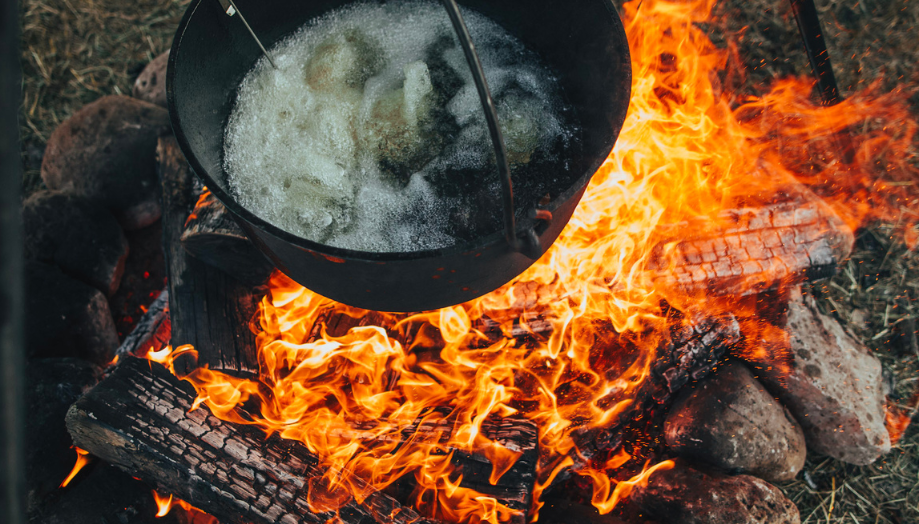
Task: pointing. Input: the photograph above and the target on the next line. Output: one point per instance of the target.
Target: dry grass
(875, 293)
(75, 52)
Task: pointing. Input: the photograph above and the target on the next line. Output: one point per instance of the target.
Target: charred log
(515, 487)
(212, 236)
(139, 419)
(690, 354)
(209, 309)
(799, 238)
(152, 330)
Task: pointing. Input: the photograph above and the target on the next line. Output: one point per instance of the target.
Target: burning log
(789, 241)
(139, 419)
(208, 308)
(690, 354)
(152, 330)
(212, 236)
(515, 487)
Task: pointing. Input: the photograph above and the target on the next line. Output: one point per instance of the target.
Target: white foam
(339, 144)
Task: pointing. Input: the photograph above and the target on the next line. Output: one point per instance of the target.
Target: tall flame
(688, 151)
(83, 458)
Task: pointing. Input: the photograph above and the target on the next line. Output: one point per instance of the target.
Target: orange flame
(688, 152)
(83, 458)
(202, 201)
(605, 501)
(165, 504)
(898, 419)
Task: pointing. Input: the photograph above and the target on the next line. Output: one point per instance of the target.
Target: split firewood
(140, 419)
(756, 247)
(212, 236)
(152, 331)
(208, 309)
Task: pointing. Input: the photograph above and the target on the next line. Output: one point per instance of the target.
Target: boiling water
(370, 135)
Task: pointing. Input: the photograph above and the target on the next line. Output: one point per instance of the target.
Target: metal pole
(808, 21)
(812, 34)
(12, 360)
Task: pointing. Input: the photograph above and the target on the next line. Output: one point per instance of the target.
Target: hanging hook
(229, 7)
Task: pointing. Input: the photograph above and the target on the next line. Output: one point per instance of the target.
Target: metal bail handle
(529, 245)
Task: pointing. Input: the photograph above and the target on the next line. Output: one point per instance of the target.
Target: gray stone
(65, 317)
(150, 85)
(834, 388)
(730, 421)
(83, 240)
(106, 152)
(52, 385)
(684, 495)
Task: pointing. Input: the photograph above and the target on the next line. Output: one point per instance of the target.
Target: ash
(370, 134)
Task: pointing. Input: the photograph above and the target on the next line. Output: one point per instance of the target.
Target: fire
(205, 194)
(83, 458)
(165, 504)
(897, 418)
(688, 151)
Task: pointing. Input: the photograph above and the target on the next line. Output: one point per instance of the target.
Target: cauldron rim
(491, 240)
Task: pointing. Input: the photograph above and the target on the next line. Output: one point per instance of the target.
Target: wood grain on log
(152, 331)
(138, 419)
(212, 236)
(754, 248)
(208, 308)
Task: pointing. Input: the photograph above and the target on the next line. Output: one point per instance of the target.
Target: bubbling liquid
(370, 135)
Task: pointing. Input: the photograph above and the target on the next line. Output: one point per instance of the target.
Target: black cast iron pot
(582, 41)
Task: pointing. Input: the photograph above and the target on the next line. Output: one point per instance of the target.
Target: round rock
(66, 318)
(106, 152)
(684, 495)
(834, 386)
(150, 85)
(83, 240)
(730, 421)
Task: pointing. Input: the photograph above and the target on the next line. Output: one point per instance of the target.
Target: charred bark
(138, 419)
(786, 242)
(152, 331)
(690, 354)
(208, 309)
(212, 236)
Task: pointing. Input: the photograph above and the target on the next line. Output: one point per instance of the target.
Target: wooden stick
(152, 331)
(208, 308)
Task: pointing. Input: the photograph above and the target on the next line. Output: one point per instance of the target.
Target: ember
(688, 153)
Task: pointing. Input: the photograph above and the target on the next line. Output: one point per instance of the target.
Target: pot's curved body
(582, 41)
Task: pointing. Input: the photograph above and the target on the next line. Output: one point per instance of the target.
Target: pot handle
(529, 245)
